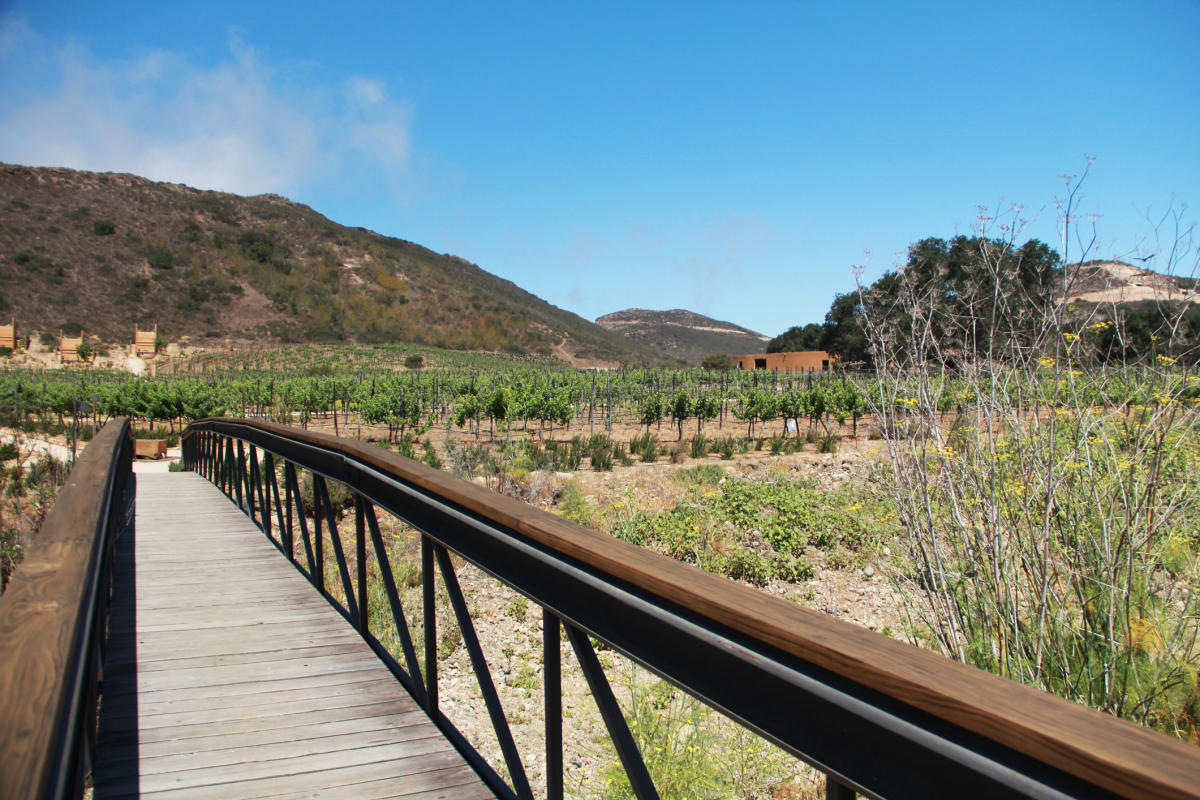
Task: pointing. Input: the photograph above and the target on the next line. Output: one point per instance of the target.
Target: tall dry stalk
(1048, 496)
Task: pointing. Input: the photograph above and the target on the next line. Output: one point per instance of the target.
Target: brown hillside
(682, 334)
(106, 251)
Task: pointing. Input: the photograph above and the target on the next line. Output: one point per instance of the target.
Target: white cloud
(365, 92)
(238, 125)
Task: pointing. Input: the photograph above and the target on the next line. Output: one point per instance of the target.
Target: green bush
(429, 455)
(160, 257)
(646, 446)
(699, 476)
(33, 260)
(414, 362)
(104, 227)
(720, 362)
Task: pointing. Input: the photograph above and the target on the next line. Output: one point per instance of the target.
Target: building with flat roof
(68, 348)
(803, 361)
(144, 342)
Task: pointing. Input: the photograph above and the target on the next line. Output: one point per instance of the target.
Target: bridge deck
(228, 675)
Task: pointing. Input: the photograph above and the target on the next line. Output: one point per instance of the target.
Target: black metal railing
(878, 717)
(53, 622)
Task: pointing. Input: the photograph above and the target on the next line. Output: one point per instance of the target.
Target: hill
(681, 334)
(1107, 282)
(103, 251)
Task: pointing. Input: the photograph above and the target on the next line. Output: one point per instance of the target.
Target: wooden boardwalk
(228, 675)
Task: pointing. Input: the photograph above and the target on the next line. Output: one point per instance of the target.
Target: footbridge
(216, 633)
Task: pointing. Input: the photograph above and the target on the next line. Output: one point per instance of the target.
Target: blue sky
(733, 159)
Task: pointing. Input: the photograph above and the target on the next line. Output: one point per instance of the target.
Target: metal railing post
(429, 609)
(552, 678)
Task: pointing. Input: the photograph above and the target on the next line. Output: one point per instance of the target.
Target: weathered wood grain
(228, 675)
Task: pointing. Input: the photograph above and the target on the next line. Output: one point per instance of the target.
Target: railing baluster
(614, 719)
(285, 533)
(339, 554)
(429, 611)
(318, 537)
(552, 687)
(254, 489)
(294, 495)
(217, 453)
(264, 496)
(483, 675)
(360, 560)
(287, 486)
(398, 618)
(241, 474)
(231, 475)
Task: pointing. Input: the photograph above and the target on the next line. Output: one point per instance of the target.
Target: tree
(842, 333)
(799, 338)
(988, 292)
(718, 362)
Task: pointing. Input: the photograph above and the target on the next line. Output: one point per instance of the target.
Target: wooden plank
(224, 723)
(250, 779)
(355, 690)
(250, 688)
(434, 785)
(262, 657)
(312, 730)
(300, 745)
(230, 676)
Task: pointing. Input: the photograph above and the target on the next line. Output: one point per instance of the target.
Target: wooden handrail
(1102, 751)
(48, 625)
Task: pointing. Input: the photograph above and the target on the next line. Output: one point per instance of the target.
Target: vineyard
(482, 395)
(478, 395)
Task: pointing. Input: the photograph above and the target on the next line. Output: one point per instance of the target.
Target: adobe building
(144, 342)
(803, 361)
(8, 335)
(68, 348)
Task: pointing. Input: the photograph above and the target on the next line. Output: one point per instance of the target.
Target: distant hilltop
(682, 334)
(1103, 282)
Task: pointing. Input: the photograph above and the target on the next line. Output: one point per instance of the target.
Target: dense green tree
(1144, 331)
(720, 362)
(842, 334)
(980, 293)
(798, 338)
